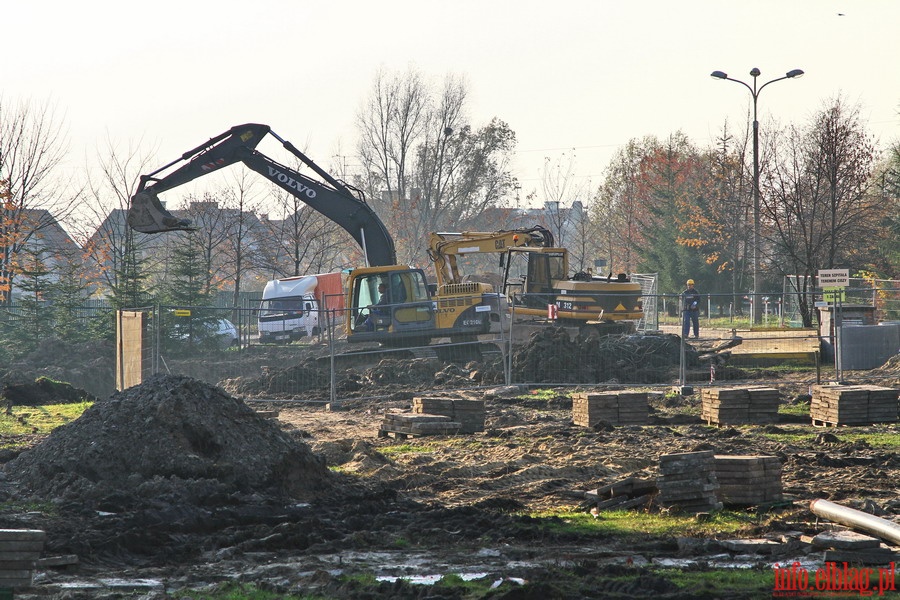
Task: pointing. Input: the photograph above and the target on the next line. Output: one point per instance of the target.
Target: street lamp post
(755, 315)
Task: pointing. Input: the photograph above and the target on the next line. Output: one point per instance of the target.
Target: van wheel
(316, 331)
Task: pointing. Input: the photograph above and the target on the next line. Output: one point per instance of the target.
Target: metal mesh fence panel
(74, 344)
(222, 346)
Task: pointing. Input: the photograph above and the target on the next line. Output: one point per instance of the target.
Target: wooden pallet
(406, 435)
(821, 423)
(398, 435)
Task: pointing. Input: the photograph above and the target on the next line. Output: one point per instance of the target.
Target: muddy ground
(177, 484)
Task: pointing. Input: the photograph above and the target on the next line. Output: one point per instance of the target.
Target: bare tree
(243, 231)
(585, 243)
(424, 168)
(305, 241)
(390, 124)
(818, 207)
(213, 227)
(730, 207)
(32, 146)
(124, 262)
(560, 191)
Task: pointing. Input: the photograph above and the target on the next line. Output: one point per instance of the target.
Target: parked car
(226, 333)
(218, 333)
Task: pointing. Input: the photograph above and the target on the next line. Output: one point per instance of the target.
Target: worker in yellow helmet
(690, 310)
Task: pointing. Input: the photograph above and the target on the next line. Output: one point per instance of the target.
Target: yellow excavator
(389, 304)
(536, 279)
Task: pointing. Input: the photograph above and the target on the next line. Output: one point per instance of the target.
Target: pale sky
(571, 76)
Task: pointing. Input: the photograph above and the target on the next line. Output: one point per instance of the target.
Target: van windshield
(281, 305)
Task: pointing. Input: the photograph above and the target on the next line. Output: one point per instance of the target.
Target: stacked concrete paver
(614, 407)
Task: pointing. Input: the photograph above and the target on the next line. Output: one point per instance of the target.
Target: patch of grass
(879, 439)
(792, 436)
(627, 524)
(539, 394)
(466, 443)
(404, 449)
(237, 591)
(886, 439)
(547, 395)
(791, 366)
(796, 410)
(29, 420)
(365, 579)
(724, 582)
(47, 508)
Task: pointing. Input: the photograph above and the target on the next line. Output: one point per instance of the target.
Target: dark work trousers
(691, 318)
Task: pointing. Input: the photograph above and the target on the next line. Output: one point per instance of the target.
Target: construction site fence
(221, 345)
(530, 353)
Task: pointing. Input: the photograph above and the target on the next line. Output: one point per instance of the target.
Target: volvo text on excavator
(409, 315)
(536, 276)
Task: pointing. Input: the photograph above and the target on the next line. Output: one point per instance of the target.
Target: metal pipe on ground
(886, 530)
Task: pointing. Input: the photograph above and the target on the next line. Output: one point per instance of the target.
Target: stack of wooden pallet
(853, 405)
(468, 413)
(748, 480)
(739, 406)
(412, 425)
(688, 481)
(615, 408)
(19, 550)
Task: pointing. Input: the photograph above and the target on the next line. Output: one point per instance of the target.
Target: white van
(289, 310)
(294, 307)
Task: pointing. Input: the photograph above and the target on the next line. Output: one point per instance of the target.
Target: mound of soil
(41, 392)
(89, 366)
(171, 437)
(550, 356)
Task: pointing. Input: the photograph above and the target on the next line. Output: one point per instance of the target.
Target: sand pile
(174, 439)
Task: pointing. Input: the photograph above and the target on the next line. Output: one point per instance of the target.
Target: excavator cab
(147, 215)
(390, 305)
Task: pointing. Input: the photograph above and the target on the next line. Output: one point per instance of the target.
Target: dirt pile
(549, 356)
(303, 377)
(89, 366)
(312, 379)
(171, 438)
(890, 371)
(42, 391)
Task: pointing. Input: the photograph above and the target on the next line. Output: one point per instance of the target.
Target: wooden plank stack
(468, 413)
(19, 550)
(739, 406)
(687, 480)
(748, 480)
(853, 405)
(614, 407)
(412, 425)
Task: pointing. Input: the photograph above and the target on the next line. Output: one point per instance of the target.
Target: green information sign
(833, 294)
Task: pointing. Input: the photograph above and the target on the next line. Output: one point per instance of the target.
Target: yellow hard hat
(690, 282)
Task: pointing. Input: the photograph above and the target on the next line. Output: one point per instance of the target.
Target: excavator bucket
(147, 215)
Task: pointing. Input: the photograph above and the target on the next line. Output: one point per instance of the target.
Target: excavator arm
(444, 247)
(331, 198)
